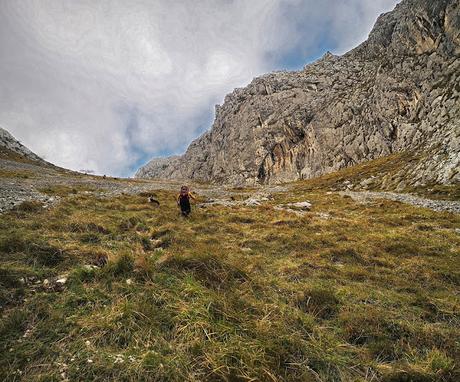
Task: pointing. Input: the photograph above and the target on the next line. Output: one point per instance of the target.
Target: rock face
(397, 91)
(10, 143)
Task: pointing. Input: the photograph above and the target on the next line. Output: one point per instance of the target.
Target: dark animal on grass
(151, 199)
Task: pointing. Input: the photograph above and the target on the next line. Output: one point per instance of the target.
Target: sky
(106, 85)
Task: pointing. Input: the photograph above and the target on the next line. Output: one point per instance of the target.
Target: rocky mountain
(10, 144)
(397, 91)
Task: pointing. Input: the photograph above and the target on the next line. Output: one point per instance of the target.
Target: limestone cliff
(398, 91)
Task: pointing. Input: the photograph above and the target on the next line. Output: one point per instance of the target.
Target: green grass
(231, 294)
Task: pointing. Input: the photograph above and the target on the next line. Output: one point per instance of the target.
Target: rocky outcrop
(398, 91)
(164, 166)
(8, 142)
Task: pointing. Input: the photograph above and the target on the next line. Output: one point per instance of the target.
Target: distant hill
(396, 92)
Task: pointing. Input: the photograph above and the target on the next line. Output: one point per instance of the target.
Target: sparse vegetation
(373, 170)
(16, 174)
(13, 156)
(62, 190)
(232, 293)
(28, 206)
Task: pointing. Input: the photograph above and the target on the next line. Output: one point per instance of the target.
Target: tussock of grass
(121, 266)
(129, 223)
(319, 302)
(87, 227)
(211, 270)
(35, 251)
(28, 206)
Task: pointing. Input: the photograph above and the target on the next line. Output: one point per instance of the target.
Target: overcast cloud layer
(106, 85)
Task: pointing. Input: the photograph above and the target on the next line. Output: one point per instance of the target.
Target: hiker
(183, 200)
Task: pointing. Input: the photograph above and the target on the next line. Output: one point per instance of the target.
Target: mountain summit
(396, 92)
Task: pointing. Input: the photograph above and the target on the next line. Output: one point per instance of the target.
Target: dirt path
(436, 205)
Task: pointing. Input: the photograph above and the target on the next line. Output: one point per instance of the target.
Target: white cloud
(101, 85)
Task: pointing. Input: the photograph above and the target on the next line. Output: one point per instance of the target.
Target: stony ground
(20, 182)
(435, 205)
(29, 182)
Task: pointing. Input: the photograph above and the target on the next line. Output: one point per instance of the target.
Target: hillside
(396, 92)
(27, 178)
(11, 148)
(104, 286)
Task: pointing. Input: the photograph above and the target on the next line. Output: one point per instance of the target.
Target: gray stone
(397, 91)
(306, 206)
(252, 202)
(90, 267)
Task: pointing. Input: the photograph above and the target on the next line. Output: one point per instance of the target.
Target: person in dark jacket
(183, 200)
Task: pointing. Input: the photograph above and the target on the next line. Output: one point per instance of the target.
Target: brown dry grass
(237, 293)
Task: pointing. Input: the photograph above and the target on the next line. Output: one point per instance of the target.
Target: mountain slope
(11, 148)
(398, 91)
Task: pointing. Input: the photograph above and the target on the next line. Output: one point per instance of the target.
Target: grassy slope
(386, 172)
(235, 294)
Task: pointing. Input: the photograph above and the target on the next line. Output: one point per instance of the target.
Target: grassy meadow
(347, 292)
